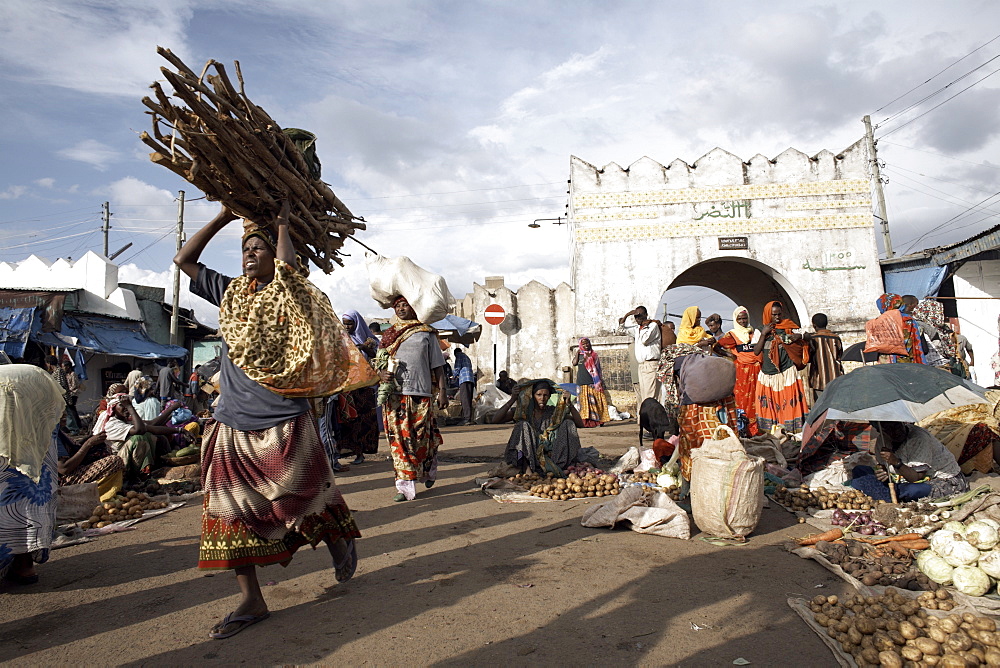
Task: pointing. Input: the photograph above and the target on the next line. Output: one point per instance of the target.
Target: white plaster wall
(978, 317)
(611, 277)
(92, 274)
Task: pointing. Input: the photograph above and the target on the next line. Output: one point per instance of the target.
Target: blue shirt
(463, 368)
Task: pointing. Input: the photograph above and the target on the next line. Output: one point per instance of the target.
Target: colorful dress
(781, 399)
(545, 444)
(269, 486)
(911, 334)
(28, 473)
(670, 354)
(410, 424)
(593, 397)
(741, 344)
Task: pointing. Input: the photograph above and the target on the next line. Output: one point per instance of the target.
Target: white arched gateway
(795, 228)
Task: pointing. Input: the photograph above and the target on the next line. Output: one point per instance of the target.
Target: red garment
(796, 351)
(747, 369)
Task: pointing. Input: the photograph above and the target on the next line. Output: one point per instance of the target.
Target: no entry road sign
(494, 314)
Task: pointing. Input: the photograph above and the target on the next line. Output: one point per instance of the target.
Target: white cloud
(47, 182)
(13, 192)
(92, 152)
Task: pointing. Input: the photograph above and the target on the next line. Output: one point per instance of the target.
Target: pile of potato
(874, 565)
(893, 630)
(575, 487)
(803, 499)
(643, 476)
(526, 479)
(121, 508)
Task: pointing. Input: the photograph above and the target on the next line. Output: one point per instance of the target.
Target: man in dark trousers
(466, 383)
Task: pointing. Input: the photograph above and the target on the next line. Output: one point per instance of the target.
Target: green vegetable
(934, 567)
(188, 451)
(971, 580)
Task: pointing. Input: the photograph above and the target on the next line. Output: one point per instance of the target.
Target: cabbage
(668, 480)
(955, 526)
(981, 535)
(934, 567)
(970, 580)
(993, 523)
(942, 537)
(989, 563)
(960, 553)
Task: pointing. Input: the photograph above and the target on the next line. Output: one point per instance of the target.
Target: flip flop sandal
(429, 483)
(399, 497)
(344, 571)
(243, 621)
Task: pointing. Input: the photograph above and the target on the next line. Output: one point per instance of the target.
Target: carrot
(913, 544)
(829, 536)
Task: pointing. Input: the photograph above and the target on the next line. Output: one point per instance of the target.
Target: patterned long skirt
(745, 393)
(593, 406)
(27, 511)
(358, 419)
(781, 400)
(257, 485)
(698, 422)
(414, 439)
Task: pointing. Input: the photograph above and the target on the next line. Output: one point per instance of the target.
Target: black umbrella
(856, 353)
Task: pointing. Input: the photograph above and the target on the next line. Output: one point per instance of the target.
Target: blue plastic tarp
(922, 282)
(109, 336)
(455, 323)
(15, 328)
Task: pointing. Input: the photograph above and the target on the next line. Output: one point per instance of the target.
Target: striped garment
(825, 349)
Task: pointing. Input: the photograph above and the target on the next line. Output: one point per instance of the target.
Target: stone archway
(748, 283)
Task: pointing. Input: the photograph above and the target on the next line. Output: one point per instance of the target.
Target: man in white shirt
(647, 351)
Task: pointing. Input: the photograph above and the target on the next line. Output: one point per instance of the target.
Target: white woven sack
(727, 486)
(427, 293)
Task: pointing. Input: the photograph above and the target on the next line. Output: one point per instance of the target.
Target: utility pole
(106, 214)
(870, 137)
(175, 314)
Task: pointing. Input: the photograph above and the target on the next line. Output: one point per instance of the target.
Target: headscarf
(399, 331)
(360, 332)
(888, 301)
(740, 333)
(31, 404)
(264, 232)
(931, 311)
(688, 333)
(114, 399)
(592, 363)
(525, 409)
(787, 326)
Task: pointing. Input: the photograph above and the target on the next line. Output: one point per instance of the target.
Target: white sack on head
(31, 404)
(427, 293)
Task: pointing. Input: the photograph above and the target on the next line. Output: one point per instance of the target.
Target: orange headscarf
(785, 324)
(788, 326)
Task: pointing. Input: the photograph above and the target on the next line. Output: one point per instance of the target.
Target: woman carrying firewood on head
(269, 487)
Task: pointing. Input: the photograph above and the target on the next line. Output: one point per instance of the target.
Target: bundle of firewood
(232, 151)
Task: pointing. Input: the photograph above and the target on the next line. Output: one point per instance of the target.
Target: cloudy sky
(449, 125)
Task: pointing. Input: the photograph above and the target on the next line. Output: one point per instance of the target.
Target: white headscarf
(31, 404)
(740, 333)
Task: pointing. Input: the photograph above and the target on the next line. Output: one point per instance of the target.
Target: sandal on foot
(360, 459)
(399, 497)
(344, 571)
(243, 621)
(429, 483)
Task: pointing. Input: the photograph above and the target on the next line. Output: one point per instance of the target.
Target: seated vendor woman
(544, 437)
(90, 461)
(128, 435)
(923, 466)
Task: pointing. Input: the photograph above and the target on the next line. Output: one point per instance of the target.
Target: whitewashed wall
(978, 317)
(637, 230)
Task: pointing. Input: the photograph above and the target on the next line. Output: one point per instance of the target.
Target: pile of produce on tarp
(900, 628)
(235, 153)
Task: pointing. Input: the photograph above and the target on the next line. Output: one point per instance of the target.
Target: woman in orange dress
(740, 341)
(781, 399)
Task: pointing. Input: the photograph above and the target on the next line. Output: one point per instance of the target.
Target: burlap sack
(727, 486)
(76, 502)
(646, 513)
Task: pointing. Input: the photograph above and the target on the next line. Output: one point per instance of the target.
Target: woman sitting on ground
(90, 461)
(544, 437)
(128, 435)
(922, 463)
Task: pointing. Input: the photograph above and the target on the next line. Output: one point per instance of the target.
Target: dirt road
(453, 578)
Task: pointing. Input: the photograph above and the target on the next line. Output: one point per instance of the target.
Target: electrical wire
(979, 48)
(36, 232)
(458, 192)
(915, 118)
(48, 241)
(48, 215)
(942, 155)
(955, 217)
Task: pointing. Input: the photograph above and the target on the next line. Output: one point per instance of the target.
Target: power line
(966, 212)
(48, 215)
(921, 150)
(47, 241)
(900, 127)
(36, 232)
(938, 74)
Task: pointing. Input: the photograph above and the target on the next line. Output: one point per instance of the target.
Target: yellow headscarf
(688, 333)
